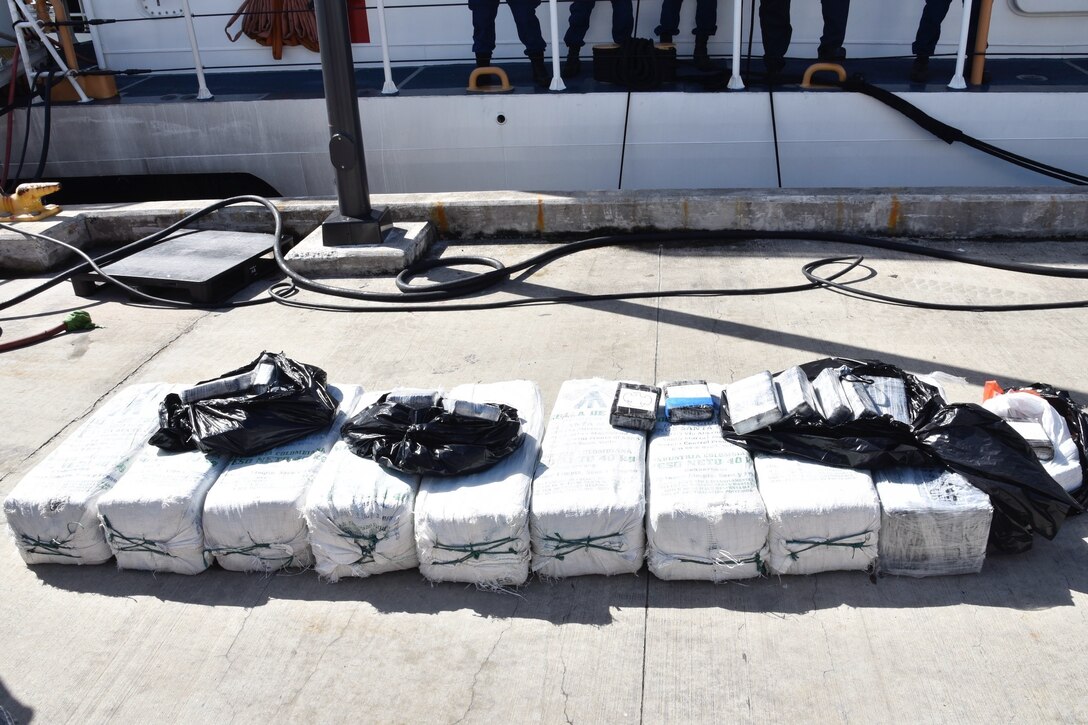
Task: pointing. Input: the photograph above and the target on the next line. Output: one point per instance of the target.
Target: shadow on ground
(14, 711)
(1047, 576)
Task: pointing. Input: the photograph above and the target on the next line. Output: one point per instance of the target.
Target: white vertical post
(735, 83)
(96, 37)
(390, 88)
(202, 93)
(957, 82)
(557, 77)
(18, 23)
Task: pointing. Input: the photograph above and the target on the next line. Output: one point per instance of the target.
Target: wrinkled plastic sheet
(588, 498)
(253, 514)
(475, 528)
(963, 438)
(360, 515)
(705, 517)
(933, 522)
(53, 510)
(271, 401)
(153, 516)
(431, 440)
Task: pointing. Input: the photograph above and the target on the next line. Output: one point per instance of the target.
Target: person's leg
(575, 37)
(925, 40)
(929, 27)
(774, 24)
(670, 20)
(528, 26)
(706, 18)
(623, 20)
(578, 24)
(706, 24)
(483, 27)
(835, 14)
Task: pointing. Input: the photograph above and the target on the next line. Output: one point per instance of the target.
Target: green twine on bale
(475, 551)
(562, 547)
(366, 550)
(133, 543)
(52, 547)
(840, 541)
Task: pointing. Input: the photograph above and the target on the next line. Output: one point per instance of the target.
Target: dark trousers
(706, 17)
(484, 13)
(623, 21)
(929, 27)
(774, 21)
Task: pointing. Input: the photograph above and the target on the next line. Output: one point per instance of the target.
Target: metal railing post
(356, 222)
(553, 16)
(202, 92)
(390, 88)
(957, 82)
(735, 83)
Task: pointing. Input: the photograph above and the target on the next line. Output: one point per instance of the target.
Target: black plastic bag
(430, 439)
(1076, 417)
(966, 439)
(271, 401)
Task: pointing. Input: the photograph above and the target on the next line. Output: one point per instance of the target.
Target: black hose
(414, 298)
(950, 134)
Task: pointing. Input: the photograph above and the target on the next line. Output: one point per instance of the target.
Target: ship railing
(26, 22)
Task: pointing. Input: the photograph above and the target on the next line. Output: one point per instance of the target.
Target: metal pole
(356, 222)
(553, 21)
(958, 83)
(202, 92)
(390, 88)
(735, 83)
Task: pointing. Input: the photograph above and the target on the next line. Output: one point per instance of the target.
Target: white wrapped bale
(153, 516)
(53, 511)
(706, 519)
(588, 500)
(795, 393)
(475, 528)
(933, 522)
(830, 397)
(821, 518)
(753, 403)
(360, 514)
(253, 514)
(890, 397)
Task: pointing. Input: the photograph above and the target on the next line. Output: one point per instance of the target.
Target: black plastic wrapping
(963, 438)
(431, 440)
(294, 403)
(1076, 417)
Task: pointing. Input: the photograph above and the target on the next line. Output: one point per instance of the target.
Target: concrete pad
(401, 245)
(94, 644)
(24, 254)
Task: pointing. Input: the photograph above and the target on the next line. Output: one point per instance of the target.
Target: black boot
(483, 60)
(540, 71)
(702, 56)
(666, 39)
(919, 70)
(572, 66)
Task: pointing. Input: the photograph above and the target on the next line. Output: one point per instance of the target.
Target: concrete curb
(940, 213)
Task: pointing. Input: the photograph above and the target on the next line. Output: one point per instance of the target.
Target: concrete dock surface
(95, 644)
